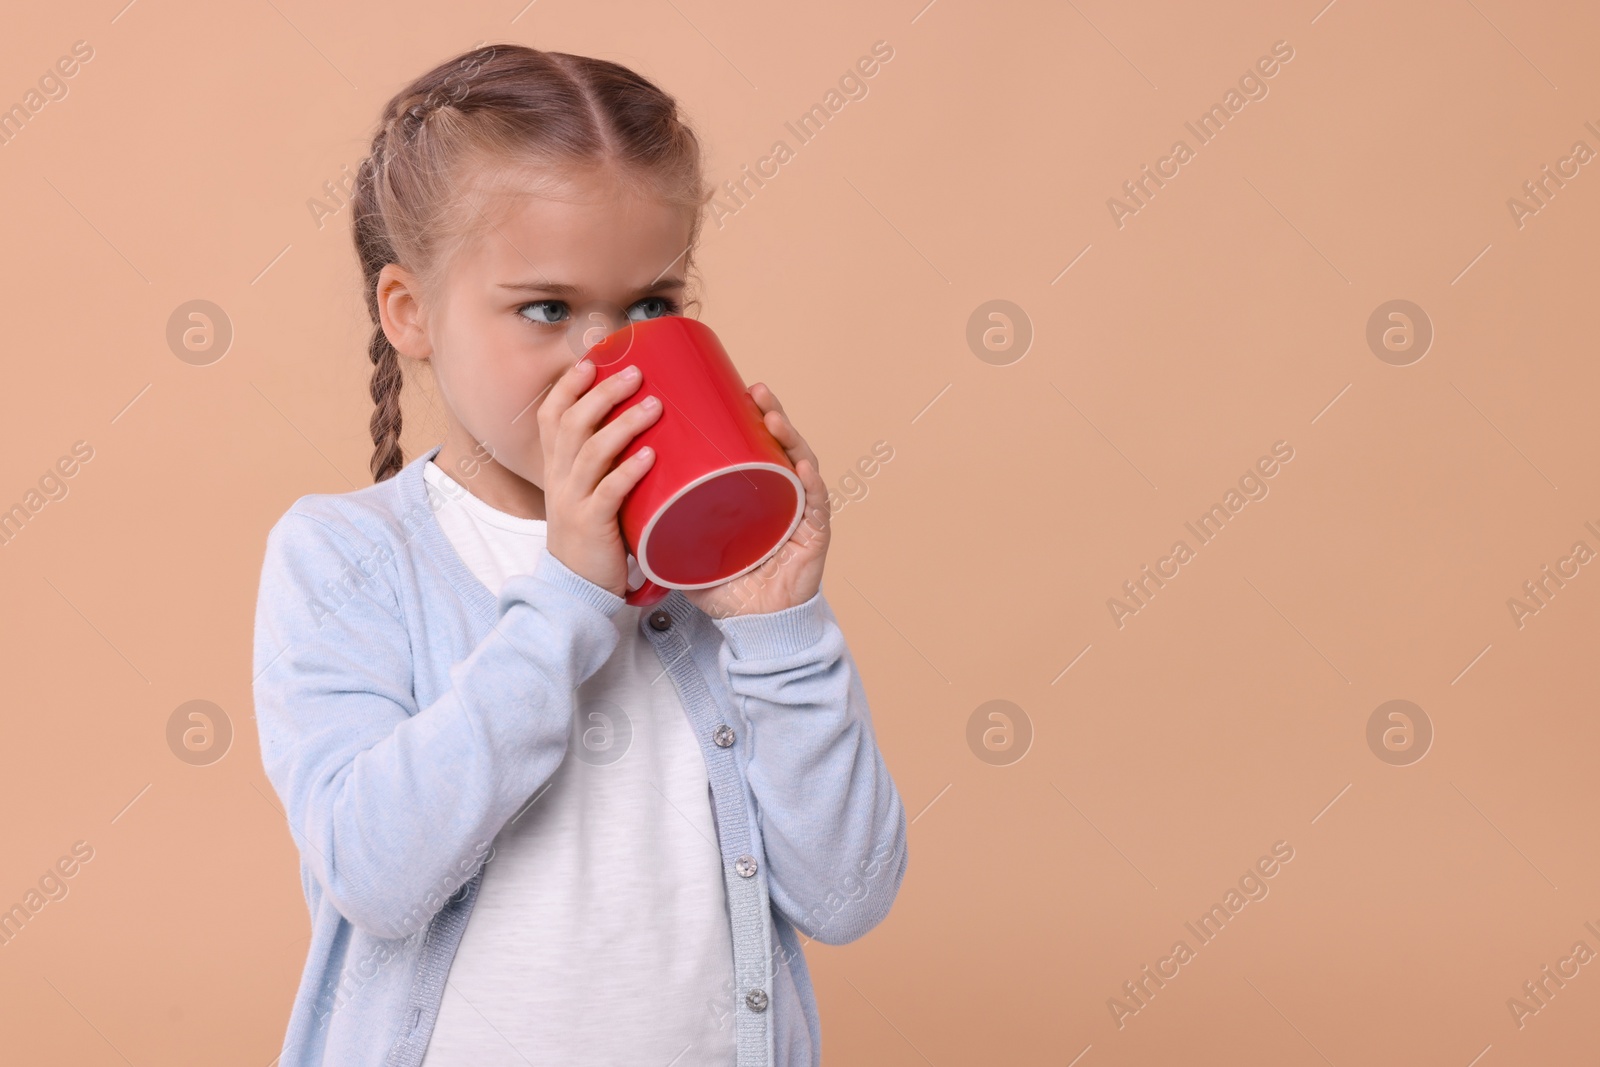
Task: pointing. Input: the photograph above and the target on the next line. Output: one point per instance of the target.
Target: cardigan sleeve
(832, 823)
(395, 807)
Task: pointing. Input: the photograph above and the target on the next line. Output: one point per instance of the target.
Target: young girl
(538, 825)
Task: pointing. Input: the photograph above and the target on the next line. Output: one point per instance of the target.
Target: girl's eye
(652, 307)
(547, 311)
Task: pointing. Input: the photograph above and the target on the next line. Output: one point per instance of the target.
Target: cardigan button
(745, 865)
(757, 999)
(660, 620)
(722, 735)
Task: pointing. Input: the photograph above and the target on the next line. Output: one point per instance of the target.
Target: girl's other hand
(793, 574)
(581, 498)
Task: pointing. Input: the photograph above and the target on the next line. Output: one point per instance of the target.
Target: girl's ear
(401, 314)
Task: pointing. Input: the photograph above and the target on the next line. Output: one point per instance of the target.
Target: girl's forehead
(590, 236)
(587, 207)
(545, 211)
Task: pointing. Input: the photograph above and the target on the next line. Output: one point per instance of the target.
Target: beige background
(1226, 315)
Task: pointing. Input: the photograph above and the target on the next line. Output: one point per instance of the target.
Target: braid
(374, 249)
(387, 381)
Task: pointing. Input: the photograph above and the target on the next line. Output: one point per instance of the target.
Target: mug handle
(646, 594)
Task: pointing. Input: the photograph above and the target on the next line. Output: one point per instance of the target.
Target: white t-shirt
(601, 932)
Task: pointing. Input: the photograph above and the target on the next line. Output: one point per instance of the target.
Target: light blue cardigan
(406, 714)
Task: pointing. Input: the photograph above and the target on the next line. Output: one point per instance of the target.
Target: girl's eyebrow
(562, 289)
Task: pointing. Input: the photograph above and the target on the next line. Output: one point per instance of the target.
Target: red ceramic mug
(721, 496)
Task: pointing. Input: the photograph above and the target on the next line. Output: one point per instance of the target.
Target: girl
(538, 825)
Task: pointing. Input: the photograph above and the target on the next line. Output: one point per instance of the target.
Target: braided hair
(479, 119)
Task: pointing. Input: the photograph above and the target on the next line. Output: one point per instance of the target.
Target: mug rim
(794, 522)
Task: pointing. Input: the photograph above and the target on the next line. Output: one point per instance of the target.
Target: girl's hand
(793, 574)
(580, 499)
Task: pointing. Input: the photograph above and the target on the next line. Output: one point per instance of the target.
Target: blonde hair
(493, 118)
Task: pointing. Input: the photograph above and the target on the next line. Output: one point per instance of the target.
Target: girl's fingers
(787, 436)
(594, 405)
(765, 398)
(594, 458)
(616, 485)
(816, 517)
(800, 452)
(563, 391)
(563, 394)
(769, 403)
(816, 490)
(582, 419)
